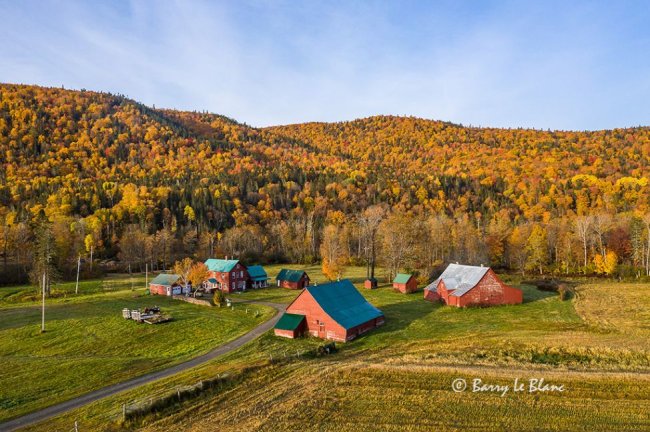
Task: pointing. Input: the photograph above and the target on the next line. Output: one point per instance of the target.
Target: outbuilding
(290, 326)
(166, 284)
(292, 279)
(405, 283)
(258, 276)
(334, 311)
(464, 285)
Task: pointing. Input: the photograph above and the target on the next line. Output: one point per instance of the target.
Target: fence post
(76, 427)
(124, 412)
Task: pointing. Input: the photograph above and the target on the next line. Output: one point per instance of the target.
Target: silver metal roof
(460, 278)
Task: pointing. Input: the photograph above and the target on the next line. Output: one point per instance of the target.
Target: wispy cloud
(498, 64)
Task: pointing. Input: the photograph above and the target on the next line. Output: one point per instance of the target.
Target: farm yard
(592, 344)
(88, 344)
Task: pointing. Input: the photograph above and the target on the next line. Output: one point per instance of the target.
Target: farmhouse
(258, 276)
(334, 311)
(167, 284)
(463, 285)
(405, 283)
(292, 279)
(226, 275)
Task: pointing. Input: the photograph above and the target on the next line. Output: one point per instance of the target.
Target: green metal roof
(220, 265)
(212, 280)
(402, 278)
(289, 321)
(290, 275)
(341, 301)
(165, 279)
(257, 273)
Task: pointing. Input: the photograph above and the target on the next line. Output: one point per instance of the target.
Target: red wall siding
(305, 305)
(363, 328)
(490, 291)
(302, 283)
(431, 296)
(285, 333)
(408, 287)
(157, 289)
(227, 278)
(442, 292)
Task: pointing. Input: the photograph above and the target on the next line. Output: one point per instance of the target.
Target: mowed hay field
(375, 397)
(399, 377)
(88, 345)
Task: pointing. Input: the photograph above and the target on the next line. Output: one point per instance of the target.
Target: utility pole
(76, 288)
(43, 308)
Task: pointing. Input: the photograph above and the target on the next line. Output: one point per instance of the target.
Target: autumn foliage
(117, 181)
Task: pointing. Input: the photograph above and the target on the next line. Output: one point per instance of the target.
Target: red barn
(463, 285)
(292, 279)
(334, 311)
(166, 284)
(405, 283)
(227, 275)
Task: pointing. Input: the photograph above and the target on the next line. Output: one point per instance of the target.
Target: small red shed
(292, 279)
(290, 326)
(334, 311)
(405, 283)
(463, 285)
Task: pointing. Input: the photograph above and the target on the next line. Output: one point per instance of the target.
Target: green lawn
(87, 343)
(66, 290)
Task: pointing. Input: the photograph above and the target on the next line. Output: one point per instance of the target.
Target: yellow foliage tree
(606, 265)
(198, 274)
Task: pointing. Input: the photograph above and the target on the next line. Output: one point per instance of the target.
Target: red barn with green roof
(292, 279)
(334, 311)
(405, 283)
(165, 284)
(290, 325)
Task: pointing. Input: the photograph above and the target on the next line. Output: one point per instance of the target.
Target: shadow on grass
(400, 315)
(533, 294)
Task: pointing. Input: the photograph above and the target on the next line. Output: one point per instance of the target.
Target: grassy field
(399, 377)
(66, 290)
(87, 343)
(355, 397)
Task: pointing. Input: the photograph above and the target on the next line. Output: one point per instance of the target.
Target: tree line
(124, 186)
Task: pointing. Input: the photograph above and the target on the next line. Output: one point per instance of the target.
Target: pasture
(398, 377)
(87, 343)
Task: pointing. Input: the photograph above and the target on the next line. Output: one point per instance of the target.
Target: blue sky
(558, 65)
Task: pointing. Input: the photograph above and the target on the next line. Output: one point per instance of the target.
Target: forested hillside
(105, 178)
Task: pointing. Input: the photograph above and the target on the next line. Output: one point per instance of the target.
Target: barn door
(321, 329)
